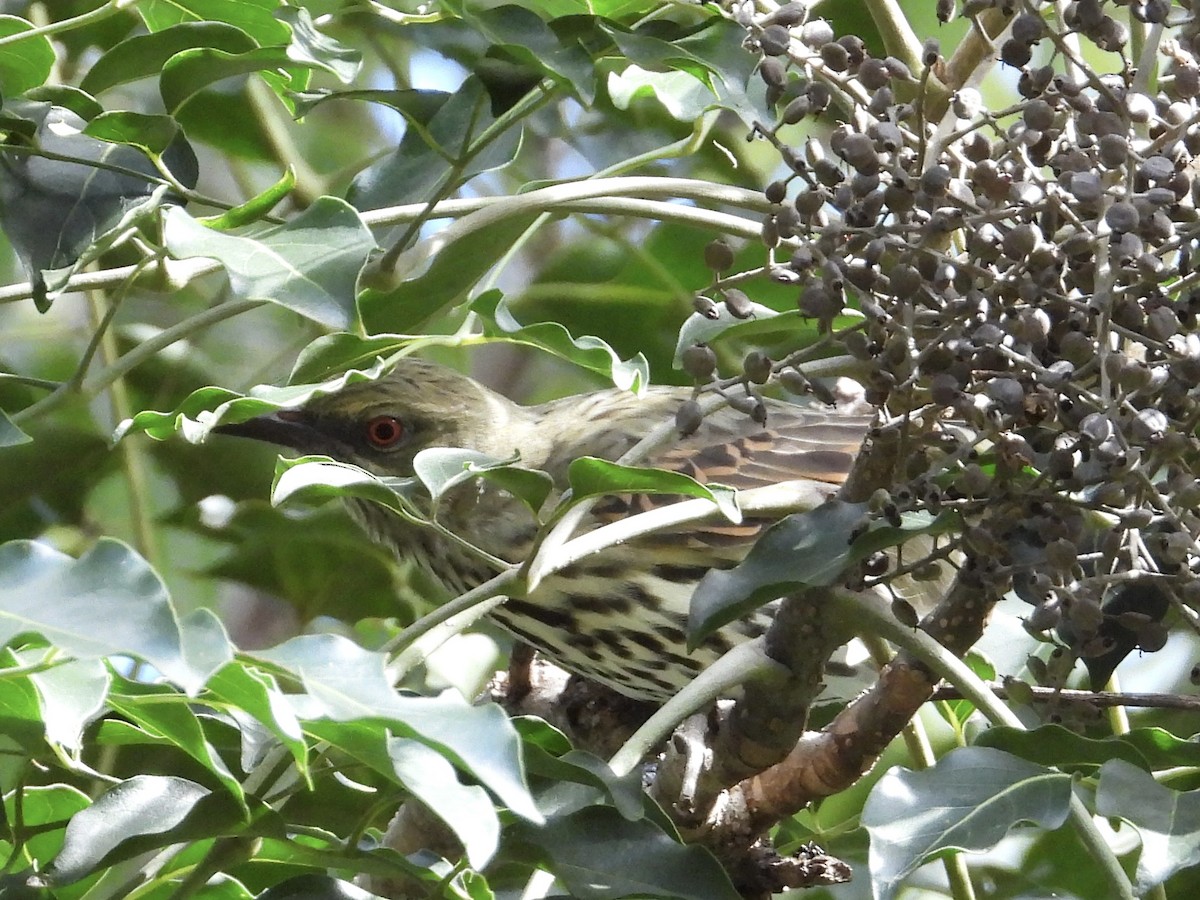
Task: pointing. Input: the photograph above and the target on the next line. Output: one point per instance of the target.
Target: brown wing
(797, 443)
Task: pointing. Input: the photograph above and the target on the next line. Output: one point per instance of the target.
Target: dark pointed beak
(289, 428)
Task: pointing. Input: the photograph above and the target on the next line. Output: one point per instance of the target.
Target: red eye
(384, 432)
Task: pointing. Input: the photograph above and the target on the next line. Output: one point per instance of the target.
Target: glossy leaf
(71, 696)
(26, 63)
(309, 265)
(589, 352)
(1056, 745)
(1168, 821)
(968, 801)
(806, 549)
(144, 55)
(346, 683)
(597, 854)
(70, 212)
(204, 409)
(592, 477)
(107, 602)
(465, 808)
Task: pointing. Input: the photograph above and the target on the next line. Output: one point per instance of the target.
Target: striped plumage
(618, 616)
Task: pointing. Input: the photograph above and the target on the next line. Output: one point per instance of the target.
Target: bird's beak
(289, 428)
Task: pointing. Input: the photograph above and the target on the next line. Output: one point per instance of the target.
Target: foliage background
(234, 791)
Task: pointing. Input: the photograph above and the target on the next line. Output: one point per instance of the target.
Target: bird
(617, 617)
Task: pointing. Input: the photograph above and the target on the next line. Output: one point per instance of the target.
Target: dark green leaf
(807, 549)
(59, 214)
(189, 72)
(248, 691)
(71, 695)
(465, 808)
(143, 813)
(151, 134)
(968, 801)
(446, 272)
(255, 17)
(204, 409)
(162, 711)
(315, 887)
(597, 854)
(333, 353)
(430, 163)
(417, 106)
(144, 55)
(534, 43)
(44, 809)
(319, 478)
(440, 469)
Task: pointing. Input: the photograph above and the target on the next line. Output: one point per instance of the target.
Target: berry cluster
(1015, 285)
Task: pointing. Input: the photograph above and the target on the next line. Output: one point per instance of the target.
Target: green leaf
(10, 434)
(60, 214)
(589, 352)
(189, 72)
(107, 602)
(72, 695)
(575, 768)
(968, 801)
(314, 887)
(433, 162)
(316, 560)
(151, 134)
(598, 854)
(145, 812)
(310, 47)
(807, 549)
(319, 478)
(144, 55)
(255, 17)
(165, 713)
(309, 265)
(698, 329)
(1167, 820)
(465, 808)
(592, 477)
(333, 353)
(444, 272)
(247, 691)
(683, 96)
(26, 63)
(256, 207)
(417, 106)
(1054, 745)
(43, 810)
(535, 44)
(441, 468)
(21, 722)
(205, 408)
(713, 54)
(346, 683)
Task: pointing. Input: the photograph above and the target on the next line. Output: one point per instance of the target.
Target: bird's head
(381, 425)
